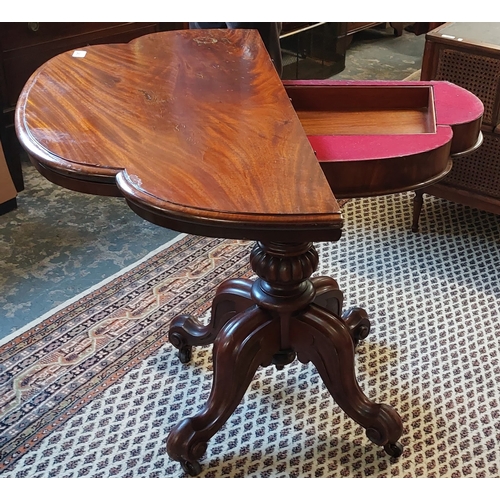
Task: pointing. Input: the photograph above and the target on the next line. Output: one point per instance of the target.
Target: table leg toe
(326, 340)
(232, 297)
(245, 342)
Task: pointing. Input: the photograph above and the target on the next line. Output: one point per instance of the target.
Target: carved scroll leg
(328, 294)
(243, 344)
(330, 297)
(231, 298)
(324, 339)
(418, 202)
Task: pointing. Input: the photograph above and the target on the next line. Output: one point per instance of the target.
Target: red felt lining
(337, 148)
(453, 105)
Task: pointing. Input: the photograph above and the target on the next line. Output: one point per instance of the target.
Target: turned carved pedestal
(283, 314)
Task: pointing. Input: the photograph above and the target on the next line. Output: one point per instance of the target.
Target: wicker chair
(460, 58)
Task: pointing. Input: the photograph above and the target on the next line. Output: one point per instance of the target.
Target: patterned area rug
(93, 390)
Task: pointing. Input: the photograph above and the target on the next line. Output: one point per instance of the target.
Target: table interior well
(364, 110)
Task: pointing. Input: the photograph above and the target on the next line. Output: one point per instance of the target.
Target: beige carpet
(93, 390)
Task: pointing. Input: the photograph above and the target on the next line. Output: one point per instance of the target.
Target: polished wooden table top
(196, 123)
(197, 131)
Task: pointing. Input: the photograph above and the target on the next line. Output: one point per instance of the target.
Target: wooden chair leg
(418, 202)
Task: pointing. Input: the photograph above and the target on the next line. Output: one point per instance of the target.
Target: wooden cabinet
(26, 46)
(312, 50)
(468, 54)
(355, 27)
(7, 190)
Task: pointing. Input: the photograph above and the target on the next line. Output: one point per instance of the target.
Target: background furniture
(352, 28)
(313, 48)
(26, 46)
(468, 54)
(318, 50)
(8, 192)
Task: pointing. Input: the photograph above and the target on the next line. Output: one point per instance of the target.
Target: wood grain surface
(198, 121)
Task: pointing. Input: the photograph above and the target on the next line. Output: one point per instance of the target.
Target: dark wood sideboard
(26, 46)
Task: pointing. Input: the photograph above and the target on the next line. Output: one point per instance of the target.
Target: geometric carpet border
(60, 365)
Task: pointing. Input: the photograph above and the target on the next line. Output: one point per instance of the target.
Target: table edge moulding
(25, 46)
(198, 133)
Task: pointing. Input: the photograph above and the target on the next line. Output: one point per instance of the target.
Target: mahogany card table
(199, 134)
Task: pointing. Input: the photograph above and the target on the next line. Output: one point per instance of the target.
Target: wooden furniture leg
(398, 28)
(232, 296)
(418, 202)
(281, 315)
(326, 340)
